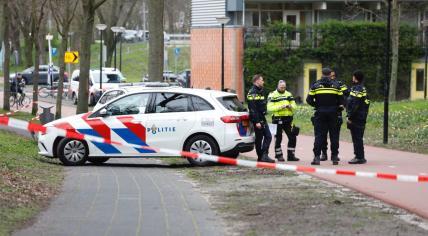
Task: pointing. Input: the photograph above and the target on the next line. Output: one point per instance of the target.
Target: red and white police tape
(19, 124)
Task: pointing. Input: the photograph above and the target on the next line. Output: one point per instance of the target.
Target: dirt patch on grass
(27, 181)
(271, 202)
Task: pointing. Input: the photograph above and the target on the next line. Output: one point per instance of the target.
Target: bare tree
(6, 37)
(88, 9)
(21, 10)
(63, 13)
(156, 43)
(37, 17)
(114, 13)
(395, 38)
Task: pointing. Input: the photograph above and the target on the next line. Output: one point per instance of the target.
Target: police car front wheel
(72, 152)
(201, 144)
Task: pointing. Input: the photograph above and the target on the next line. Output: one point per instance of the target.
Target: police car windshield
(232, 103)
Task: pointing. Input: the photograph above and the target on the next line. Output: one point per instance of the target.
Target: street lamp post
(69, 41)
(101, 28)
(115, 29)
(387, 73)
(49, 38)
(222, 20)
(425, 25)
(122, 29)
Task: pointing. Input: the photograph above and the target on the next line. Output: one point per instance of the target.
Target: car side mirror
(104, 113)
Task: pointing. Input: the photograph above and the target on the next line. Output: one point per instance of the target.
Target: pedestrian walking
(282, 105)
(345, 91)
(327, 98)
(257, 103)
(357, 110)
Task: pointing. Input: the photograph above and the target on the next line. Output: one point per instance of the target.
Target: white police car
(195, 120)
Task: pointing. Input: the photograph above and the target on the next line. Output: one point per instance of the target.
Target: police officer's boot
(335, 160)
(291, 156)
(324, 156)
(278, 154)
(316, 161)
(266, 158)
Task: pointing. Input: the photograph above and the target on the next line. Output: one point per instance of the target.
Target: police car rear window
(232, 103)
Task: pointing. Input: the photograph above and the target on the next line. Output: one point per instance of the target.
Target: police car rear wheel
(201, 144)
(72, 152)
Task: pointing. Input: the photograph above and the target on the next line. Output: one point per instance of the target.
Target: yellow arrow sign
(71, 57)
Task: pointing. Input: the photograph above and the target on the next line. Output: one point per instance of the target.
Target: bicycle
(19, 99)
(52, 91)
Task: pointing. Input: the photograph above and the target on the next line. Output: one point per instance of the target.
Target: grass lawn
(135, 59)
(20, 115)
(408, 125)
(27, 181)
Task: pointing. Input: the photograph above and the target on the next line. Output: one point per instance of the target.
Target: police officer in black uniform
(357, 110)
(257, 102)
(327, 98)
(345, 91)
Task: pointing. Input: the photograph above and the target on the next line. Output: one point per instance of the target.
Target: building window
(271, 17)
(419, 80)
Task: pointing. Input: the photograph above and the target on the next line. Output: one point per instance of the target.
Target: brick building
(249, 15)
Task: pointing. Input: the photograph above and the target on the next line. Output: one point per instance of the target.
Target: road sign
(177, 52)
(54, 52)
(71, 57)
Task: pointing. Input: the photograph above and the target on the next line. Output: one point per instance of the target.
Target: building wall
(206, 58)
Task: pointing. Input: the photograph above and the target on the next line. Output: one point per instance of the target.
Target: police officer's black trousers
(286, 127)
(263, 139)
(357, 133)
(326, 122)
(339, 125)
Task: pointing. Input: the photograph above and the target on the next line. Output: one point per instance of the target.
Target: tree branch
(98, 4)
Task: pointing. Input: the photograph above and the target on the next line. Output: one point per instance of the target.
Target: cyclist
(17, 86)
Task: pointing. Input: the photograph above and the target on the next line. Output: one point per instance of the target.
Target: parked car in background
(94, 85)
(28, 75)
(169, 76)
(184, 78)
(114, 75)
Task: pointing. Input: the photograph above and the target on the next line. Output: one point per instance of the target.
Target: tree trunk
(28, 50)
(62, 49)
(36, 75)
(156, 42)
(85, 56)
(109, 42)
(6, 32)
(395, 26)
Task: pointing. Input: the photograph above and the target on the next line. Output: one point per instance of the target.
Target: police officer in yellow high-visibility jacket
(281, 104)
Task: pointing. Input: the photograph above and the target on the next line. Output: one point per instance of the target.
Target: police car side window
(200, 104)
(132, 104)
(171, 102)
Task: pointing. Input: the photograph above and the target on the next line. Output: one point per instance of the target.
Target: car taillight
(245, 117)
(231, 119)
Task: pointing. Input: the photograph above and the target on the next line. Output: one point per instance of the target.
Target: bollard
(46, 116)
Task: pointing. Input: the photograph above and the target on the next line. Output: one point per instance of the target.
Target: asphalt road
(127, 197)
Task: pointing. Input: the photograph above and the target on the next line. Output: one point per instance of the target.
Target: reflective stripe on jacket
(277, 100)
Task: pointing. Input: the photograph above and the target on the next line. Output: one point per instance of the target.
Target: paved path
(410, 196)
(127, 197)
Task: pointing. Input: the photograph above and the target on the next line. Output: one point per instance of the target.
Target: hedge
(343, 46)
